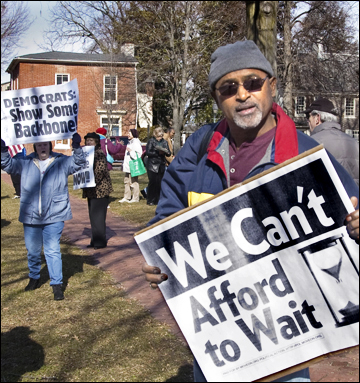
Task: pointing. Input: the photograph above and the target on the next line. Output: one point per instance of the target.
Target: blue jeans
(298, 376)
(48, 235)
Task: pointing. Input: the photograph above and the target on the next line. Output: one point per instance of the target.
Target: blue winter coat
(188, 180)
(46, 201)
(185, 178)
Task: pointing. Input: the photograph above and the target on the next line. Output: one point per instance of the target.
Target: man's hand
(153, 275)
(4, 148)
(352, 221)
(76, 139)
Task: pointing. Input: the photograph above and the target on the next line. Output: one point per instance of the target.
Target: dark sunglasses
(250, 85)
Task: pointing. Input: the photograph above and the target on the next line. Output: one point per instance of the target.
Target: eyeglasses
(250, 85)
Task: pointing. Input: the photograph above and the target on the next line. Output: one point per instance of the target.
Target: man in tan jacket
(170, 133)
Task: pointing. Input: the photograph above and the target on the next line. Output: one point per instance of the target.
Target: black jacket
(156, 158)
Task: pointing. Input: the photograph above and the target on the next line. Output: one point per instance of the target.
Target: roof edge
(22, 59)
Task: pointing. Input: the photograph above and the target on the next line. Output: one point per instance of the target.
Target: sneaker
(124, 200)
(16, 196)
(58, 294)
(33, 284)
(132, 200)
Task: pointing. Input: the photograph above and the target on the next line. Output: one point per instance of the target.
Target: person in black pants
(98, 196)
(16, 178)
(156, 150)
(16, 151)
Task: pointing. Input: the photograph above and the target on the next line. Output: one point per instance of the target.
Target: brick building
(107, 87)
(333, 76)
(346, 105)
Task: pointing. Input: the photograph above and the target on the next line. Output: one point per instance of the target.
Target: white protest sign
(264, 276)
(85, 178)
(45, 113)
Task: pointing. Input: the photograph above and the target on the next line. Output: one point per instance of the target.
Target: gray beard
(248, 122)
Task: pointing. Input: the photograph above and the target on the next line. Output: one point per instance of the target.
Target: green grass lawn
(97, 334)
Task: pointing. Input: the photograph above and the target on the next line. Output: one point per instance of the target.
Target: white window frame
(353, 133)
(116, 90)
(62, 74)
(110, 125)
(62, 144)
(353, 107)
(15, 84)
(300, 114)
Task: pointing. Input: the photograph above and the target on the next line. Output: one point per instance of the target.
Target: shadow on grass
(185, 374)
(4, 223)
(112, 199)
(19, 354)
(71, 265)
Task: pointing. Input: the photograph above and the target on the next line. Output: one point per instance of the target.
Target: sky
(40, 12)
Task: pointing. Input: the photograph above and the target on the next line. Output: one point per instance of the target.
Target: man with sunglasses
(254, 136)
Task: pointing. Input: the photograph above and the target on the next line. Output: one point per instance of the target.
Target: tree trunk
(288, 82)
(184, 75)
(261, 27)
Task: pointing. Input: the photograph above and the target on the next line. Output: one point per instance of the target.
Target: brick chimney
(150, 87)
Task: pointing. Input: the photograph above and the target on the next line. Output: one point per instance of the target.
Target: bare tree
(175, 39)
(287, 59)
(173, 43)
(15, 21)
(304, 28)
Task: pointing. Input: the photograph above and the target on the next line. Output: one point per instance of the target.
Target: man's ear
(213, 95)
(273, 82)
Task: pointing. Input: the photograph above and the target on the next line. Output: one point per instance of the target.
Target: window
(349, 107)
(114, 127)
(15, 84)
(61, 78)
(299, 106)
(353, 133)
(62, 144)
(110, 89)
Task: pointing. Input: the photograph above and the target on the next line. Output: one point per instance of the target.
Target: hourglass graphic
(337, 277)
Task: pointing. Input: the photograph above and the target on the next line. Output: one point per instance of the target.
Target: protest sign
(85, 178)
(263, 276)
(41, 114)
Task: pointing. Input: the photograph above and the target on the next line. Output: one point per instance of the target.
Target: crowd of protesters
(254, 135)
(43, 176)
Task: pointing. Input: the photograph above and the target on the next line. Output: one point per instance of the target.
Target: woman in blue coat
(44, 205)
